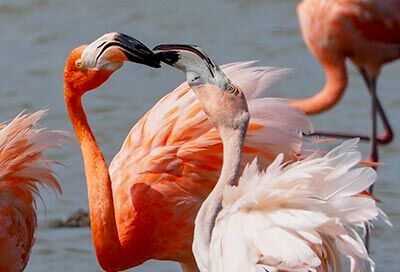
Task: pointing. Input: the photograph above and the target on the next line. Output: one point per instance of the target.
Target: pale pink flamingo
(143, 207)
(365, 31)
(289, 217)
(24, 169)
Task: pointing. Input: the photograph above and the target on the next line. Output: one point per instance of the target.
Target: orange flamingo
(23, 166)
(143, 207)
(367, 32)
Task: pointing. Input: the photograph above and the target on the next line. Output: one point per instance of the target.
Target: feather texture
(172, 157)
(297, 217)
(23, 166)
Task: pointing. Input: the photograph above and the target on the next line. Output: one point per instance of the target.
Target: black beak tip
(168, 57)
(151, 60)
(157, 65)
(136, 51)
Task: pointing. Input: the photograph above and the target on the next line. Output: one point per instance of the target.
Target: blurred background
(38, 35)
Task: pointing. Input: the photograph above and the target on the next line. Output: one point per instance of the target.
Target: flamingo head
(89, 66)
(223, 102)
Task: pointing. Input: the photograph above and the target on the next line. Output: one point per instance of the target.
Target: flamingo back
(377, 20)
(366, 31)
(23, 166)
(297, 217)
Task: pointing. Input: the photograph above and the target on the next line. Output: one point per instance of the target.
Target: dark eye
(230, 88)
(195, 78)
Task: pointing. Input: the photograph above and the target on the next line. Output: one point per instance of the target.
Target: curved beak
(136, 51)
(171, 54)
(133, 49)
(192, 60)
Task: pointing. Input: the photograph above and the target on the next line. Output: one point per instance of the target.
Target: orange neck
(104, 229)
(330, 95)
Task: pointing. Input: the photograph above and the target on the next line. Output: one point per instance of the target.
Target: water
(38, 35)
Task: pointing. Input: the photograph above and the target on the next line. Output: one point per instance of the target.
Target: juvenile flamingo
(24, 168)
(365, 31)
(296, 217)
(143, 207)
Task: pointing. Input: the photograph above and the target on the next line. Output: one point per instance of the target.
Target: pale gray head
(101, 53)
(223, 102)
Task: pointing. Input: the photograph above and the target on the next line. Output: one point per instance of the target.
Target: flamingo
(144, 206)
(289, 217)
(365, 31)
(23, 169)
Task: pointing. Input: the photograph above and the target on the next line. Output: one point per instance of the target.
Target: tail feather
(23, 166)
(22, 149)
(300, 216)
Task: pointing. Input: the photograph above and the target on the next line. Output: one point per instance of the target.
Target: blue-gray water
(37, 36)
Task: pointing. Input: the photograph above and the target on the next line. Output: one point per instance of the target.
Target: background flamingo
(24, 168)
(296, 217)
(365, 31)
(144, 206)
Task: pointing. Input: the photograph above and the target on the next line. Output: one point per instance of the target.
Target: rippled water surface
(37, 36)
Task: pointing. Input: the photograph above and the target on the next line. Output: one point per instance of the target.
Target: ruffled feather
(297, 217)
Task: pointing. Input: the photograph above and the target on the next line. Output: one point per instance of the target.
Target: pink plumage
(297, 217)
(23, 166)
(175, 153)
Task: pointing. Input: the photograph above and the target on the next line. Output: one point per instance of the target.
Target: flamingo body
(366, 31)
(172, 158)
(23, 168)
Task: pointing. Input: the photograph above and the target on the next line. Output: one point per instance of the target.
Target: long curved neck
(336, 81)
(232, 141)
(102, 217)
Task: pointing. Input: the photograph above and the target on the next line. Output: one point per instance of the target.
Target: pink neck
(336, 81)
(104, 230)
(205, 220)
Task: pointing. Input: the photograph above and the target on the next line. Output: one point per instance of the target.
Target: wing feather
(177, 129)
(297, 217)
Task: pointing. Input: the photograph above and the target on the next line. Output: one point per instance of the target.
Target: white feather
(296, 217)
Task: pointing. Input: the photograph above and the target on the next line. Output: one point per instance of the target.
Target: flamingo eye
(79, 63)
(230, 88)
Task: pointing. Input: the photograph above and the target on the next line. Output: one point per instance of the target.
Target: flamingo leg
(374, 157)
(321, 133)
(387, 135)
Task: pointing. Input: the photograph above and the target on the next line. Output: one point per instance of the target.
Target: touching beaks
(192, 60)
(136, 51)
(183, 56)
(110, 51)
